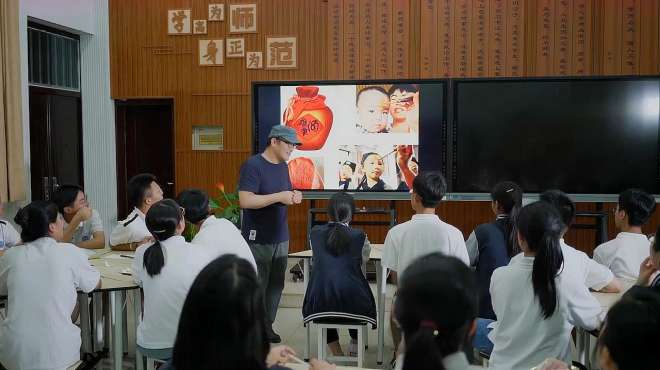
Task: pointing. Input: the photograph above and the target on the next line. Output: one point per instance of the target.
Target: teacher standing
(264, 192)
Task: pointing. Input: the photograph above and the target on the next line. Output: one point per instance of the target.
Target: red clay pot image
(308, 114)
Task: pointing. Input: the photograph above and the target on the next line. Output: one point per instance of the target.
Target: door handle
(55, 184)
(46, 192)
(169, 183)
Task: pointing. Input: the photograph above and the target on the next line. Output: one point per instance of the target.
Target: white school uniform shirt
(522, 338)
(165, 293)
(624, 254)
(9, 237)
(132, 229)
(218, 236)
(41, 279)
(582, 268)
(85, 231)
(422, 235)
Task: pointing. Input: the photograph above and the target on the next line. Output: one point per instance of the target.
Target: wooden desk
(582, 336)
(375, 255)
(117, 281)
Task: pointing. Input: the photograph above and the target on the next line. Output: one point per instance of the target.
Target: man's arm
(250, 200)
(96, 242)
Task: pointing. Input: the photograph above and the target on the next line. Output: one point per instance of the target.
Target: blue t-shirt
(266, 225)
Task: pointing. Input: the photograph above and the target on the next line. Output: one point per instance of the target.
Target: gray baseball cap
(285, 133)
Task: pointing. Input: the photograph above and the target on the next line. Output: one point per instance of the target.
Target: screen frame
(452, 124)
(361, 195)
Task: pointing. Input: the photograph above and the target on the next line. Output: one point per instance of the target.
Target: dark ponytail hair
(222, 325)
(196, 204)
(631, 330)
(340, 210)
(432, 328)
(540, 226)
(35, 218)
(508, 196)
(162, 220)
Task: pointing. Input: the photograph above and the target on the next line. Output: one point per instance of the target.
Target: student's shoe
(352, 348)
(273, 337)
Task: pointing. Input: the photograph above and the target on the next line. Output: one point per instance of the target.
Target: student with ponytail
(40, 279)
(165, 269)
(337, 288)
(491, 245)
(434, 332)
(536, 302)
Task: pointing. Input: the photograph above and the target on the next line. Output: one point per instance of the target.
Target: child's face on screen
(372, 109)
(373, 167)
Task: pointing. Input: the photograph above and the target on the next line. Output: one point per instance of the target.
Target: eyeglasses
(291, 145)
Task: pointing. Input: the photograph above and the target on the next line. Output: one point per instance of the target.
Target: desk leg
(98, 321)
(309, 324)
(117, 319)
(380, 284)
(137, 309)
(85, 327)
(587, 350)
(580, 347)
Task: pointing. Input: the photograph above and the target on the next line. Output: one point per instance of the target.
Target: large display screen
(372, 136)
(580, 136)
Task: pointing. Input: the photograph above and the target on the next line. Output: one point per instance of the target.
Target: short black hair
(562, 203)
(431, 187)
(196, 204)
(65, 195)
(403, 87)
(137, 188)
(370, 88)
(638, 205)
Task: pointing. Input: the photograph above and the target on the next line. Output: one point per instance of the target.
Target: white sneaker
(352, 348)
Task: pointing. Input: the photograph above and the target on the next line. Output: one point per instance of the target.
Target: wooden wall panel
(409, 38)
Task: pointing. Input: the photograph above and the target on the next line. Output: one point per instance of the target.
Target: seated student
(218, 236)
(491, 245)
(535, 301)
(594, 275)
(222, 324)
(629, 337)
(143, 191)
(9, 237)
(372, 167)
(648, 270)
(40, 279)
(164, 269)
(435, 333)
(625, 253)
(425, 233)
(82, 224)
(337, 289)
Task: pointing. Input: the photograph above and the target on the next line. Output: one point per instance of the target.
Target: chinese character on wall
(211, 52)
(235, 47)
(254, 60)
(216, 12)
(281, 52)
(242, 18)
(199, 26)
(178, 22)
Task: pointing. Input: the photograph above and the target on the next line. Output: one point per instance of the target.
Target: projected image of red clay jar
(308, 114)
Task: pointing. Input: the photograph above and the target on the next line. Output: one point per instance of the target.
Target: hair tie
(159, 231)
(510, 190)
(428, 324)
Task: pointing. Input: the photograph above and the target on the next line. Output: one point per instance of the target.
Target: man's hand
(286, 197)
(279, 355)
(297, 197)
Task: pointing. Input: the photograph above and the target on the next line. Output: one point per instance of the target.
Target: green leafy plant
(224, 205)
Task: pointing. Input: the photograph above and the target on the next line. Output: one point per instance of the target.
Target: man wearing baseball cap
(264, 192)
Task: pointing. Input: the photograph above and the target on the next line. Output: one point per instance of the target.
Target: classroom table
(376, 256)
(582, 336)
(116, 279)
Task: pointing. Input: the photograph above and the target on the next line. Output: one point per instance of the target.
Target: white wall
(89, 19)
